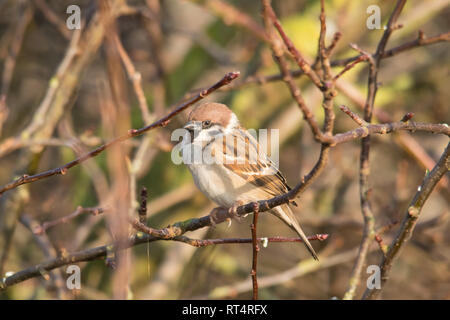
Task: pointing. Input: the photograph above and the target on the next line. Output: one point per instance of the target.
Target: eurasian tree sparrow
(237, 174)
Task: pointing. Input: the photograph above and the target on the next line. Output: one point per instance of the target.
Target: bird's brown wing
(263, 173)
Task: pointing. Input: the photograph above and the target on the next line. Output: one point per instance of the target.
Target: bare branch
(302, 268)
(336, 37)
(41, 229)
(364, 172)
(232, 15)
(350, 66)
(367, 130)
(302, 63)
(143, 208)
(208, 242)
(53, 18)
(279, 58)
(420, 41)
(410, 219)
(323, 53)
(172, 232)
(259, 80)
(135, 78)
(255, 247)
(11, 59)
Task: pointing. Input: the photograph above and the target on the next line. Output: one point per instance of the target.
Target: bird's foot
(233, 211)
(214, 215)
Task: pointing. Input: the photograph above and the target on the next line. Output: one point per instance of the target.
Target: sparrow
(237, 170)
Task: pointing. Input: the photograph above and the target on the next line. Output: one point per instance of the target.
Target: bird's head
(210, 120)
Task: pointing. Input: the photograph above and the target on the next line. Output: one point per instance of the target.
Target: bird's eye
(206, 124)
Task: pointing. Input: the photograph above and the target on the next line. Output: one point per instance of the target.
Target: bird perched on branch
(228, 165)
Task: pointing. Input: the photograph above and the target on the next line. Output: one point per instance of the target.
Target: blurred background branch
(65, 93)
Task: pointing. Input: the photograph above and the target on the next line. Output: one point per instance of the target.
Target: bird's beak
(194, 128)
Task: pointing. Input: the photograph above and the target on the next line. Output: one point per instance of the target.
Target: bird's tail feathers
(285, 213)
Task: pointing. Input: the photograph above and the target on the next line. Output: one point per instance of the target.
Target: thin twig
(350, 66)
(47, 106)
(405, 141)
(367, 130)
(336, 37)
(261, 80)
(410, 219)
(298, 57)
(418, 42)
(364, 174)
(11, 59)
(232, 15)
(279, 58)
(53, 18)
(143, 208)
(302, 268)
(172, 232)
(255, 251)
(41, 229)
(322, 51)
(263, 240)
(16, 44)
(329, 93)
(62, 87)
(49, 253)
(135, 77)
(381, 244)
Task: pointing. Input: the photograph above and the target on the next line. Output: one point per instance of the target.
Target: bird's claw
(233, 210)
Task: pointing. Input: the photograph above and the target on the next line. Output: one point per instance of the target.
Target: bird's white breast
(219, 184)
